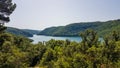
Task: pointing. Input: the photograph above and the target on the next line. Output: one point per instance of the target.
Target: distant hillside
(31, 31)
(74, 29)
(22, 32)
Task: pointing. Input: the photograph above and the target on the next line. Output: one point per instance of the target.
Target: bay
(41, 38)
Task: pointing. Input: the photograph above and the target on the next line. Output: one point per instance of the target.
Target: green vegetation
(19, 52)
(22, 32)
(18, 32)
(31, 31)
(101, 28)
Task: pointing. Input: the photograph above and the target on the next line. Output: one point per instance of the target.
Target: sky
(40, 14)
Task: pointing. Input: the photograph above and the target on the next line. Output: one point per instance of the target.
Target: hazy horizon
(40, 14)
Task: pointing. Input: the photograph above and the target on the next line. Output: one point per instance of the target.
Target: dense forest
(74, 29)
(22, 32)
(19, 52)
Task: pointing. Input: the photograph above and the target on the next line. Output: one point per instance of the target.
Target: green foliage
(19, 52)
(79, 60)
(6, 8)
(2, 28)
(11, 56)
(89, 38)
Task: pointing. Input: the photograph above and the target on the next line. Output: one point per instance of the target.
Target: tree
(90, 37)
(115, 35)
(6, 8)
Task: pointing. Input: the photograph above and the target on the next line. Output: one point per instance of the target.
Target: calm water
(42, 38)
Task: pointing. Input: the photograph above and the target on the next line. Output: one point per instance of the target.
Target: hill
(22, 32)
(31, 31)
(74, 29)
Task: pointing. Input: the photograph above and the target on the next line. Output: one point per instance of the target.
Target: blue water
(41, 38)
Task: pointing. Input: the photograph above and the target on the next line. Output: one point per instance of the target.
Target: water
(41, 38)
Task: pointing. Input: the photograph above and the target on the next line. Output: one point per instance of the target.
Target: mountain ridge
(22, 32)
(74, 29)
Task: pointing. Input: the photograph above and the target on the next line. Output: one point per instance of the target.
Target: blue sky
(40, 14)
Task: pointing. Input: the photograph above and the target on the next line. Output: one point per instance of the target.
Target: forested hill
(22, 32)
(74, 29)
(31, 31)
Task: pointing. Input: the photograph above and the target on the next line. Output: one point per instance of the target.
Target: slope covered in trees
(31, 31)
(22, 32)
(74, 29)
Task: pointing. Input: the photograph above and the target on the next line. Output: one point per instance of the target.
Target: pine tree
(6, 8)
